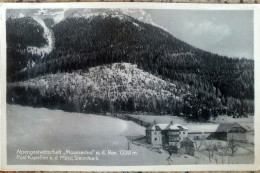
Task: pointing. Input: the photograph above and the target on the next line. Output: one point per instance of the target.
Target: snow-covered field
(230, 119)
(39, 128)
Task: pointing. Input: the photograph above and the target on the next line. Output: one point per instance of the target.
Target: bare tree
(211, 149)
(216, 158)
(199, 143)
(224, 152)
(233, 145)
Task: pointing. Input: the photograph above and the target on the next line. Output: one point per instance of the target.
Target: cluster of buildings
(183, 137)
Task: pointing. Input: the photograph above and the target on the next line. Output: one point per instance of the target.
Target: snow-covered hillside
(39, 128)
(119, 81)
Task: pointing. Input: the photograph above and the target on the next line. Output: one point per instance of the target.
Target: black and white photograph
(129, 86)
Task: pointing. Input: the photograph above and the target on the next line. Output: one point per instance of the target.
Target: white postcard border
(212, 167)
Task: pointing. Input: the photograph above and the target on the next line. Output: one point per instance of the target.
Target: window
(155, 139)
(173, 138)
(180, 127)
(173, 133)
(183, 132)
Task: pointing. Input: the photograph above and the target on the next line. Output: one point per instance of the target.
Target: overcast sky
(224, 32)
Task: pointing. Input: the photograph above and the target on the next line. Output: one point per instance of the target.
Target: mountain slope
(112, 36)
(107, 37)
(22, 33)
(81, 43)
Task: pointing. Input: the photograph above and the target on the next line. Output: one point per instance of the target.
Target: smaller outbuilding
(230, 131)
(187, 146)
(224, 131)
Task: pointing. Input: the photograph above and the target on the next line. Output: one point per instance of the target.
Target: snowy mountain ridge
(122, 14)
(62, 14)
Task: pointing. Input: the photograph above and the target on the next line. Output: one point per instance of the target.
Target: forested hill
(81, 43)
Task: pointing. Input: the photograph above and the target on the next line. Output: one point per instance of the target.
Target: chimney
(171, 123)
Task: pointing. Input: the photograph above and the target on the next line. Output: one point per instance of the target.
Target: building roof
(172, 127)
(167, 127)
(187, 139)
(210, 128)
(225, 127)
(247, 126)
(203, 128)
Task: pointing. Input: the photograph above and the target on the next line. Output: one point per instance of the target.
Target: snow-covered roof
(161, 126)
(247, 126)
(172, 127)
(203, 128)
(223, 127)
(187, 139)
(181, 126)
(167, 127)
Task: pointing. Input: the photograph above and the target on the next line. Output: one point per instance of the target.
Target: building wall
(148, 136)
(187, 149)
(196, 135)
(218, 135)
(208, 135)
(237, 136)
(173, 138)
(238, 133)
(183, 134)
(156, 137)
